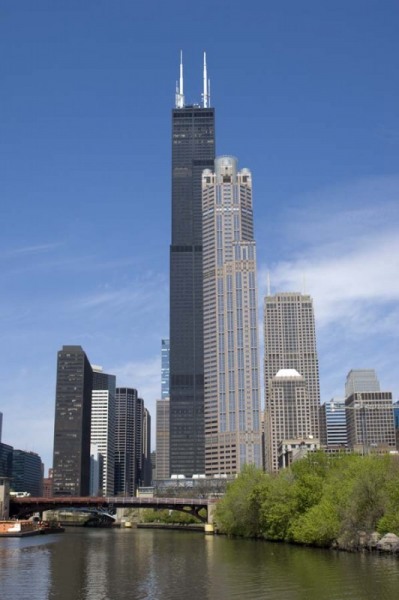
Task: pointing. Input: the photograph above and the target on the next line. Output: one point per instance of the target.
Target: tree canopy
(319, 500)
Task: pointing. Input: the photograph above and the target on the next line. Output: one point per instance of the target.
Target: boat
(50, 527)
(18, 528)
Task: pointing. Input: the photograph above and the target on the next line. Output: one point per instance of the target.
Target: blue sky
(306, 96)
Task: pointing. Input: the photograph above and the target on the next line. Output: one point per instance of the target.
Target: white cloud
(334, 219)
(143, 375)
(351, 286)
(29, 250)
(145, 293)
(343, 249)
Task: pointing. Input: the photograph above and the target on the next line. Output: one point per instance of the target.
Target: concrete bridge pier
(209, 527)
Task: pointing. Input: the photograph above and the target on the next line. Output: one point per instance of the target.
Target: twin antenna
(206, 94)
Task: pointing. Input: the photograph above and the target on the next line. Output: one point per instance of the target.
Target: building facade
(125, 441)
(396, 417)
(370, 422)
(287, 416)
(103, 430)
(193, 150)
(138, 435)
(361, 380)
(165, 352)
(96, 471)
(27, 473)
(333, 431)
(231, 361)
(146, 472)
(290, 343)
(162, 440)
(71, 461)
(6, 454)
(48, 484)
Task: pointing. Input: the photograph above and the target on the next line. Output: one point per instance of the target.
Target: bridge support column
(209, 528)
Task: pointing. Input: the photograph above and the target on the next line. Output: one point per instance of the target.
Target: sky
(306, 97)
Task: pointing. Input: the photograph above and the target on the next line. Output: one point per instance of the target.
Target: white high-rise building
(103, 426)
(231, 362)
(290, 343)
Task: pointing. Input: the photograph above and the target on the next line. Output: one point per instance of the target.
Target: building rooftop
(288, 373)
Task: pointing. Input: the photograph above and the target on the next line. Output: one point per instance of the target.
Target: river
(102, 564)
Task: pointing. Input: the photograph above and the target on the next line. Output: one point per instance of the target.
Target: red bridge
(23, 507)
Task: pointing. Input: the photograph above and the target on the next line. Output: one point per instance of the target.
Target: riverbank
(374, 542)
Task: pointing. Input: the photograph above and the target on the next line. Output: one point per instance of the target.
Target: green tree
(238, 512)
(389, 522)
(366, 498)
(319, 526)
(278, 507)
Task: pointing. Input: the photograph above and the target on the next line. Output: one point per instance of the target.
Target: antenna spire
(206, 93)
(179, 87)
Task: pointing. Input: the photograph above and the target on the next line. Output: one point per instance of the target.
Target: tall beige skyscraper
(290, 343)
(231, 363)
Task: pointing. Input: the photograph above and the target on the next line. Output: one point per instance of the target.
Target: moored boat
(50, 527)
(18, 528)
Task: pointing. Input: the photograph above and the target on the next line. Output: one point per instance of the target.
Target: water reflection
(276, 571)
(25, 568)
(135, 564)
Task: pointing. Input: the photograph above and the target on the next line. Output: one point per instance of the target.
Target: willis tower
(193, 150)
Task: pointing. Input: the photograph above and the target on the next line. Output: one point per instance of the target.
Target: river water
(102, 564)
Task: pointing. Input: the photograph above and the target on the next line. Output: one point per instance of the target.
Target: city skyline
(85, 172)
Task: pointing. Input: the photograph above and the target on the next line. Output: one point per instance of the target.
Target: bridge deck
(116, 501)
(28, 505)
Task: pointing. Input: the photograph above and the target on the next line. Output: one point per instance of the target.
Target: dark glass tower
(125, 440)
(27, 472)
(193, 150)
(71, 463)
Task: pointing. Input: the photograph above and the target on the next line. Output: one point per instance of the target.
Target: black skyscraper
(125, 441)
(193, 150)
(71, 474)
